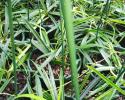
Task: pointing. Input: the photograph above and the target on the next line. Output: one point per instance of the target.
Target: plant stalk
(12, 42)
(68, 23)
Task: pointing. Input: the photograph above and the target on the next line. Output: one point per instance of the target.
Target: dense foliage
(42, 60)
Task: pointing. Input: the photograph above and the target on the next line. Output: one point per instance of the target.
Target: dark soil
(10, 89)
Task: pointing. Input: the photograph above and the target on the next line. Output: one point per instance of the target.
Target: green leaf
(105, 95)
(4, 85)
(2, 71)
(37, 36)
(107, 80)
(38, 86)
(32, 96)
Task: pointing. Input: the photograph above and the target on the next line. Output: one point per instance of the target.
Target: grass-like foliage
(62, 49)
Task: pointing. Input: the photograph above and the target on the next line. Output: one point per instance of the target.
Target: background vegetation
(35, 55)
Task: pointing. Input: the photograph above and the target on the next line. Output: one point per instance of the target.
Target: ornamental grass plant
(62, 49)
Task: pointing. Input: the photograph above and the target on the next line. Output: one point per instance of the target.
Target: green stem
(63, 57)
(12, 42)
(68, 22)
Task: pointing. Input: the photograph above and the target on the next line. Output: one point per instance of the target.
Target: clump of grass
(41, 48)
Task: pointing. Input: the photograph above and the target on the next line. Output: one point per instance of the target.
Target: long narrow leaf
(68, 22)
(107, 80)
